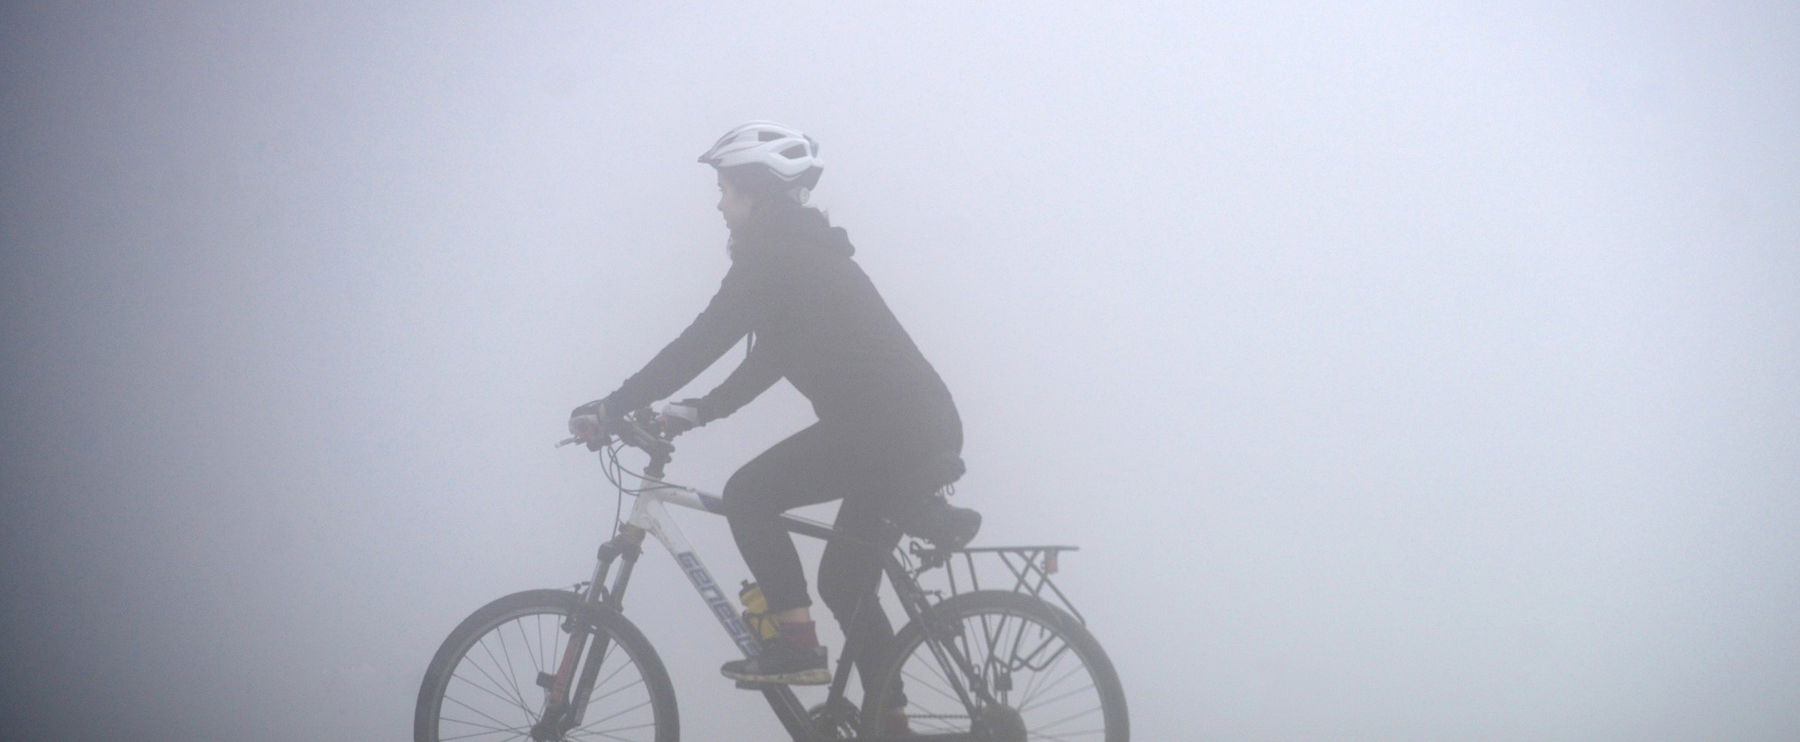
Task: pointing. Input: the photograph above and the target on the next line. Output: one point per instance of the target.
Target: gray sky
(1406, 371)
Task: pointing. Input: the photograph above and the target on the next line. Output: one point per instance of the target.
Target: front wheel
(1004, 667)
(491, 680)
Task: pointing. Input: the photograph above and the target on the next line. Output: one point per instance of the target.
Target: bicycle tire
(506, 708)
(1029, 630)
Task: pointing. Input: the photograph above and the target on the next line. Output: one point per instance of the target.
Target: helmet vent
(790, 155)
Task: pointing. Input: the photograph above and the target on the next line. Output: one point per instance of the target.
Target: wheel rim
(1040, 686)
(492, 694)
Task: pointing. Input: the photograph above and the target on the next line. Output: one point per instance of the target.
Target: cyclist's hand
(586, 424)
(678, 417)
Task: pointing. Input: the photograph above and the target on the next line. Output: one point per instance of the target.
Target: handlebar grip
(638, 429)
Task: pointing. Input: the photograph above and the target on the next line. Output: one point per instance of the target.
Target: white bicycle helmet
(786, 153)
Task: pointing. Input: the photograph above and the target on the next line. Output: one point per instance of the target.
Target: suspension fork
(567, 701)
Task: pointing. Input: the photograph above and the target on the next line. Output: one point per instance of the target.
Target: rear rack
(1030, 568)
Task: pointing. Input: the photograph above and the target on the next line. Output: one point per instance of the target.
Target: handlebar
(640, 429)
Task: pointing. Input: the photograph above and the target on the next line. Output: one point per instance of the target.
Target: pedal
(748, 685)
(546, 680)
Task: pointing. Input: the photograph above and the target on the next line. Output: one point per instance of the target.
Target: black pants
(875, 468)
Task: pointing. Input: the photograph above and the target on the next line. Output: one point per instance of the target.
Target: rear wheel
(1013, 668)
(488, 681)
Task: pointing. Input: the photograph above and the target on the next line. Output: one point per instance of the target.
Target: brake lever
(640, 431)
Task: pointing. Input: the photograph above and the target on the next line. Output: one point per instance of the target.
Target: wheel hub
(998, 724)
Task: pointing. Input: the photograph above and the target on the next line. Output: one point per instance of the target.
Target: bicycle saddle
(934, 519)
(944, 525)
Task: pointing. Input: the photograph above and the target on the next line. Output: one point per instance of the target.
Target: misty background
(1405, 371)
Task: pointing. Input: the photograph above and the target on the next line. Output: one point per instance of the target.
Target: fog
(1404, 371)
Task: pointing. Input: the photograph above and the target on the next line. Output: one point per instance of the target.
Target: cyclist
(888, 434)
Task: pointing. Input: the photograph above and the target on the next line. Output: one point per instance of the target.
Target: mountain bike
(1009, 662)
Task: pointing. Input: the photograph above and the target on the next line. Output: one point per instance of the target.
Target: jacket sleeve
(727, 318)
(755, 375)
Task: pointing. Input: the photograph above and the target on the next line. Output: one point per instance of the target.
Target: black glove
(587, 423)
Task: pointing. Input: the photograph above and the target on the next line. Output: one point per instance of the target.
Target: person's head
(762, 164)
(735, 204)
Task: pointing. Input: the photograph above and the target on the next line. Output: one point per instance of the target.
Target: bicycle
(971, 664)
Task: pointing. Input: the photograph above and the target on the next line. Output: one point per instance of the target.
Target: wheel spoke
(484, 714)
(507, 738)
(515, 731)
(939, 722)
(990, 637)
(1037, 669)
(1089, 686)
(500, 687)
(512, 676)
(536, 665)
(603, 681)
(1059, 722)
(933, 688)
(1025, 661)
(1031, 687)
(1031, 693)
(544, 646)
(616, 691)
(481, 694)
(938, 671)
(1018, 639)
(511, 682)
(484, 690)
(608, 733)
(620, 713)
(1065, 736)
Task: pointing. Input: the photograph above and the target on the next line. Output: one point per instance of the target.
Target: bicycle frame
(649, 516)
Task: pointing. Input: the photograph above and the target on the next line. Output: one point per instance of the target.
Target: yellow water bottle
(756, 611)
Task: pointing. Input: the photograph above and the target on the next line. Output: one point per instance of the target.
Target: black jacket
(815, 319)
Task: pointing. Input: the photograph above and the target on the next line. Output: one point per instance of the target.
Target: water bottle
(756, 611)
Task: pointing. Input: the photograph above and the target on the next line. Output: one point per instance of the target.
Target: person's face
(733, 204)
